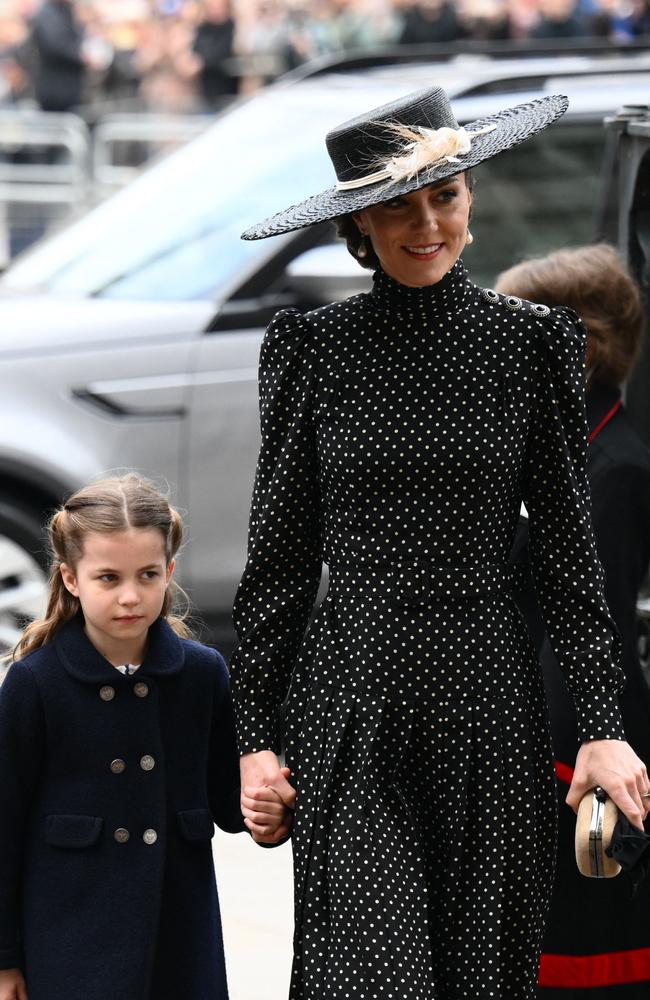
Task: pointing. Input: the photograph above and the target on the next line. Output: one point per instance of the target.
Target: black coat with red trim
(109, 789)
(594, 917)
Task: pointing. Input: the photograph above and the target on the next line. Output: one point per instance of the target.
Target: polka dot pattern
(401, 430)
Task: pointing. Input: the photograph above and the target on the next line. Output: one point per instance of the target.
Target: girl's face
(120, 581)
(418, 237)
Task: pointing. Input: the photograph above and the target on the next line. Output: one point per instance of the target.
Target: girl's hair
(593, 281)
(106, 506)
(347, 229)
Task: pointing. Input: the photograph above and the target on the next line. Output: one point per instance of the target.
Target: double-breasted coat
(401, 430)
(109, 789)
(597, 942)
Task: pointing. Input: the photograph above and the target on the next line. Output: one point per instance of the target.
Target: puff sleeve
(283, 568)
(568, 576)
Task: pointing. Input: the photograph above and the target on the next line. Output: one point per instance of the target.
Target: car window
(537, 197)
(174, 233)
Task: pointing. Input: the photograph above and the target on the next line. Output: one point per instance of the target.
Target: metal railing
(44, 174)
(54, 165)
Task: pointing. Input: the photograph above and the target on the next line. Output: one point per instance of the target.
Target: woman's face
(418, 237)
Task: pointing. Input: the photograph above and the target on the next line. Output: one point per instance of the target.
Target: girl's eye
(107, 577)
(150, 574)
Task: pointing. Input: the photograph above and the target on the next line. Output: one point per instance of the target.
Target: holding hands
(614, 766)
(267, 798)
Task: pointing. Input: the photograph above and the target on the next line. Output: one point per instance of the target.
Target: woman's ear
(69, 579)
(358, 221)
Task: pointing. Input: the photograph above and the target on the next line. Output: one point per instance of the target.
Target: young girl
(117, 756)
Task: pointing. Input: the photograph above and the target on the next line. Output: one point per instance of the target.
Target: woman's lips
(424, 251)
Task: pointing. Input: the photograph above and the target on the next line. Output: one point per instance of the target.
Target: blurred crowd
(194, 55)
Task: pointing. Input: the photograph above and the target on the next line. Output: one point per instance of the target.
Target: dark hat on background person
(404, 146)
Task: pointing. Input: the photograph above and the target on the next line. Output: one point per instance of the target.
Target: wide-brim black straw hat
(403, 146)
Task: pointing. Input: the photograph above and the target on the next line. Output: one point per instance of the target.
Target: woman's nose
(425, 216)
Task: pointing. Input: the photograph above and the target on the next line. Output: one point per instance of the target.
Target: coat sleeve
(566, 570)
(283, 569)
(223, 764)
(22, 738)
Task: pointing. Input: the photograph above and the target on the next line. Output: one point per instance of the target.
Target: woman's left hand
(614, 766)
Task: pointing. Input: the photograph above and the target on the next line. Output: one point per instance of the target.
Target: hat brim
(513, 126)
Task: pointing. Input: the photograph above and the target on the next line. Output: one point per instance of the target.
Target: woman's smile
(426, 252)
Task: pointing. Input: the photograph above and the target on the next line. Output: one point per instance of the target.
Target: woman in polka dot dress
(401, 431)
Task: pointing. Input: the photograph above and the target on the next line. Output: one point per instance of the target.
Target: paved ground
(255, 894)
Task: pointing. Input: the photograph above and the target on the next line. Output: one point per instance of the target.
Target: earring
(469, 239)
(362, 249)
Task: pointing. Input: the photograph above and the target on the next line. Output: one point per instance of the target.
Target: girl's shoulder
(38, 660)
(205, 658)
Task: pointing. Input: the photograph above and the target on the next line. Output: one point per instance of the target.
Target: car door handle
(146, 396)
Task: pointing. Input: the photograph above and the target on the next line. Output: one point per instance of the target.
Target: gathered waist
(414, 582)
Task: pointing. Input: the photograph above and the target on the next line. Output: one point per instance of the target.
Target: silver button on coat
(150, 837)
(121, 835)
(141, 690)
(107, 693)
(147, 763)
(118, 766)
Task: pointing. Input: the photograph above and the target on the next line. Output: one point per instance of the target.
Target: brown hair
(106, 506)
(593, 281)
(347, 229)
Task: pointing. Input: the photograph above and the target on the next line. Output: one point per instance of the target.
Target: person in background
(213, 47)
(61, 66)
(597, 941)
(431, 21)
(559, 19)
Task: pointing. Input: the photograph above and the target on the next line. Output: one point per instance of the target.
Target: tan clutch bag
(597, 816)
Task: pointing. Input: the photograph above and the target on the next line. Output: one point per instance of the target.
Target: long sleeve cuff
(599, 716)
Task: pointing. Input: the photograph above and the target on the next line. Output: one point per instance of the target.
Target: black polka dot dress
(401, 431)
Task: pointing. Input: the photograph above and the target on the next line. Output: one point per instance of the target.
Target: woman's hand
(614, 766)
(267, 798)
(12, 985)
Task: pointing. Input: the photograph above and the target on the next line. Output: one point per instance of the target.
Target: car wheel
(23, 572)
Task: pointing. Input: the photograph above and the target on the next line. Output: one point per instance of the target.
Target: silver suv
(131, 338)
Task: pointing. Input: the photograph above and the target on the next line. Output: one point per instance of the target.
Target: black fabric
(60, 68)
(88, 917)
(213, 42)
(630, 848)
(598, 917)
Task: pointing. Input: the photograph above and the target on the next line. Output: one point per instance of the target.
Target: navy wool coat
(109, 790)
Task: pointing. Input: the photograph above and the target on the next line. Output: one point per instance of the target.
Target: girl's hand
(267, 797)
(265, 814)
(614, 766)
(12, 985)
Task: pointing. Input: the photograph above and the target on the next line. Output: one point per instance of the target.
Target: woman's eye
(393, 203)
(448, 194)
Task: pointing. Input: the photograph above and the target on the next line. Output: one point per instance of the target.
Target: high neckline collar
(432, 301)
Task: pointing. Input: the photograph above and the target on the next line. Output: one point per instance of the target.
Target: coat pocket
(73, 832)
(196, 824)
